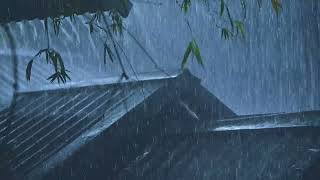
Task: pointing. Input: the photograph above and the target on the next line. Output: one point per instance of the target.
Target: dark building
(108, 125)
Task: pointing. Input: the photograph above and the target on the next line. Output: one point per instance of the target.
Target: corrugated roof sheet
(17, 10)
(269, 154)
(43, 122)
(50, 126)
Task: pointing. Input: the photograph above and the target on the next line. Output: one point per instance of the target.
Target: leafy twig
(54, 58)
(193, 49)
(146, 52)
(124, 74)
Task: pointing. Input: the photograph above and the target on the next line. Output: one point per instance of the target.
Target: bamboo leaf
(185, 6)
(222, 5)
(28, 70)
(240, 28)
(116, 25)
(276, 6)
(63, 78)
(67, 76)
(29, 66)
(196, 52)
(186, 55)
(225, 33)
(52, 77)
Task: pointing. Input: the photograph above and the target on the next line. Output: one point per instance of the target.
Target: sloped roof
(46, 121)
(17, 10)
(269, 147)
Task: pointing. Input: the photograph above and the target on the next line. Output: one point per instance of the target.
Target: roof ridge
(141, 77)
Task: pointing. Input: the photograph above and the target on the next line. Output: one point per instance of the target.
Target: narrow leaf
(196, 52)
(186, 55)
(225, 34)
(230, 18)
(28, 70)
(240, 28)
(67, 76)
(222, 4)
(276, 5)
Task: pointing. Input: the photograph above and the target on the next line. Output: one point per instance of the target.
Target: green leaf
(276, 5)
(28, 70)
(53, 77)
(185, 6)
(67, 76)
(29, 66)
(225, 33)
(195, 50)
(196, 53)
(186, 55)
(222, 4)
(240, 28)
(53, 57)
(116, 25)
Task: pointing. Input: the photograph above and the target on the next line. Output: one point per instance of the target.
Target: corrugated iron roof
(270, 154)
(18, 10)
(43, 122)
(50, 125)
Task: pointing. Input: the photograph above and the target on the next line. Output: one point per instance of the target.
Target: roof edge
(179, 76)
(87, 137)
(268, 121)
(17, 10)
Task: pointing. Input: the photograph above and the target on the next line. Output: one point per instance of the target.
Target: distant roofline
(267, 121)
(141, 77)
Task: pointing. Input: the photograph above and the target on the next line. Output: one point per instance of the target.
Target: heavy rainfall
(159, 89)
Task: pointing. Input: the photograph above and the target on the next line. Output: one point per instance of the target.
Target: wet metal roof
(268, 154)
(18, 10)
(49, 125)
(43, 122)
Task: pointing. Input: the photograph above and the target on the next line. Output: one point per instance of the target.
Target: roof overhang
(18, 10)
(268, 121)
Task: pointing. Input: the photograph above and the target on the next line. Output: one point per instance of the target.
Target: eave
(19, 10)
